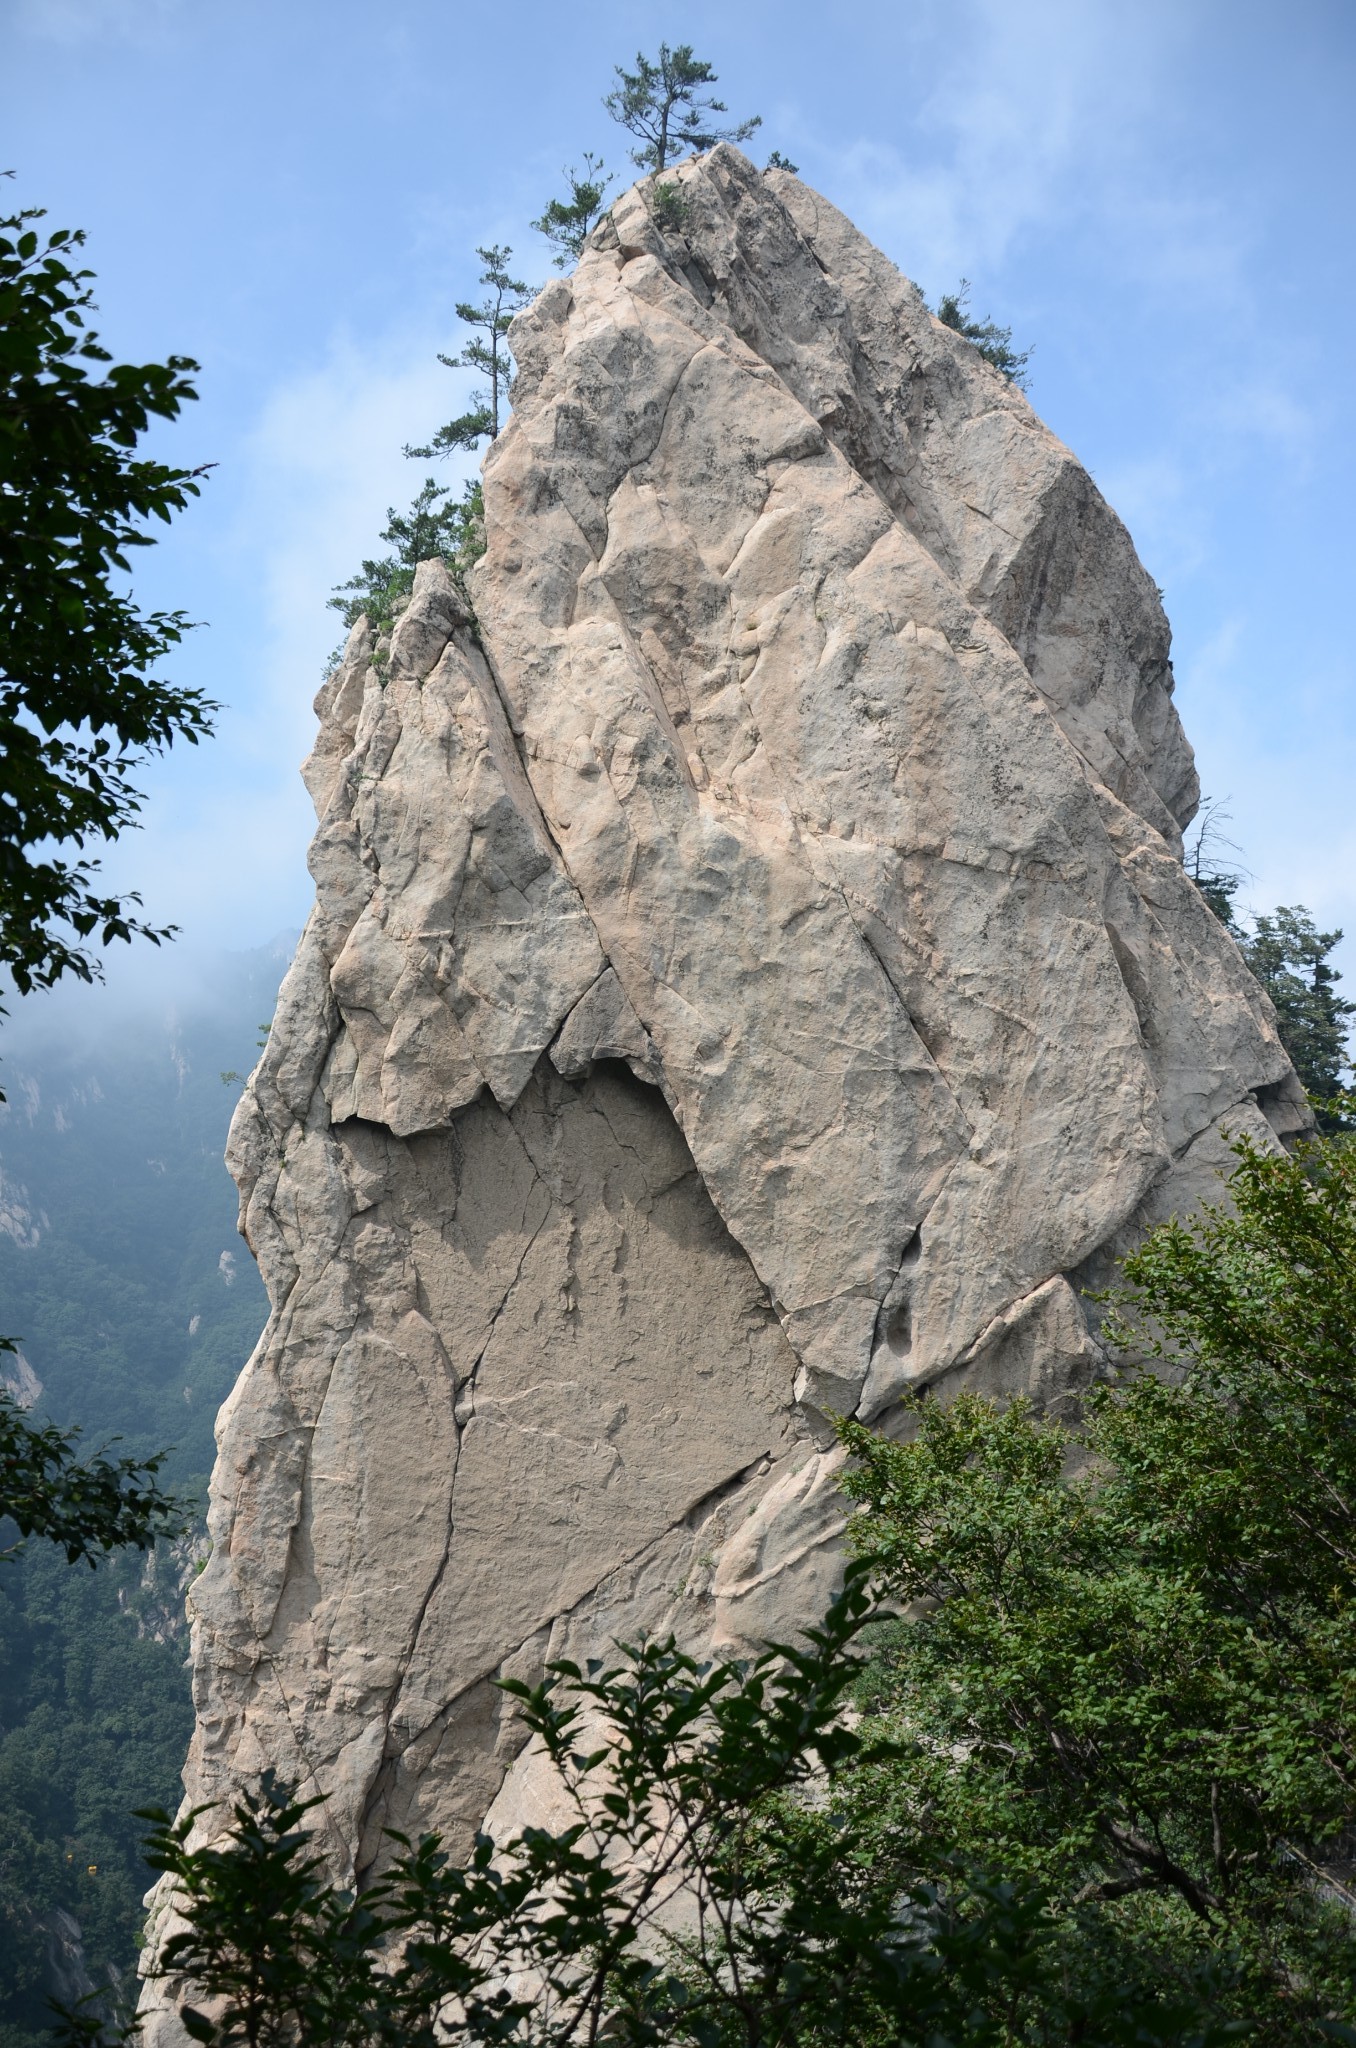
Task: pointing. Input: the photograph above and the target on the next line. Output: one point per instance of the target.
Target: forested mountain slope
(135, 1304)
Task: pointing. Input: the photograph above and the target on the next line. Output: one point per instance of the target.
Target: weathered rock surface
(752, 975)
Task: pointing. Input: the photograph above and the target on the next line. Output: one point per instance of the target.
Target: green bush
(710, 1889)
(1129, 1675)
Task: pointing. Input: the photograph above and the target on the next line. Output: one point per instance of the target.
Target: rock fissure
(467, 1387)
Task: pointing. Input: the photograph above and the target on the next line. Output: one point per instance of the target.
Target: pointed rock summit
(752, 977)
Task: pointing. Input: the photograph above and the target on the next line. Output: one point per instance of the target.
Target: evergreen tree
(490, 319)
(1289, 956)
(658, 104)
(436, 524)
(569, 222)
(993, 342)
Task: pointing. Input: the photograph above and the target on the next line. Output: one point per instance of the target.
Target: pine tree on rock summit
(658, 103)
(438, 524)
(993, 342)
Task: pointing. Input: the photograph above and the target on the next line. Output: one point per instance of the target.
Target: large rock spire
(752, 976)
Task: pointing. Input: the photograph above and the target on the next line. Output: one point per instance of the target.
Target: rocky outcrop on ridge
(752, 977)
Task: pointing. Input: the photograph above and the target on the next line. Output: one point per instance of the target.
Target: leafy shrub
(1131, 1675)
(710, 1889)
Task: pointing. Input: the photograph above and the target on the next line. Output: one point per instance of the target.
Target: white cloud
(86, 21)
(322, 465)
(1260, 408)
(1018, 112)
(1050, 122)
(225, 827)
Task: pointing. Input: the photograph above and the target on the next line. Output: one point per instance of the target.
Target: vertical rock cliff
(752, 976)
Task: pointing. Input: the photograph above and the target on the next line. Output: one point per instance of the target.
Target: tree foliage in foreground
(89, 1506)
(993, 342)
(709, 1889)
(437, 523)
(1130, 1678)
(659, 103)
(81, 707)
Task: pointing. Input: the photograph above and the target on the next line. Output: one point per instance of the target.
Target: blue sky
(1158, 197)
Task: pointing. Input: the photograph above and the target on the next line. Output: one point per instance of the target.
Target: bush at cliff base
(1128, 1673)
(1098, 1785)
(712, 1887)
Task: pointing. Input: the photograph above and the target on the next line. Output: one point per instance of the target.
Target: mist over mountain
(135, 1305)
(121, 1272)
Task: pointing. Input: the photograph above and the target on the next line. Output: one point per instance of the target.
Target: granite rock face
(752, 976)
